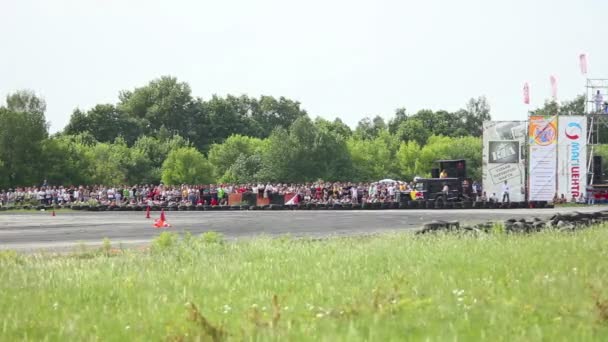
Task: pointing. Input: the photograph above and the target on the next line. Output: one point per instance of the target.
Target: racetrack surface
(40, 230)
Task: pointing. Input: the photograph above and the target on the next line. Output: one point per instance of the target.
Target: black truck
(458, 185)
(431, 189)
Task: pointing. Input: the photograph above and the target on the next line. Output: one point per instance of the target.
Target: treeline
(161, 132)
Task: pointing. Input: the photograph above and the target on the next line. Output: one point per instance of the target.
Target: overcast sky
(348, 59)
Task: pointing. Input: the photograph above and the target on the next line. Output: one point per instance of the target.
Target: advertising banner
(572, 156)
(504, 158)
(543, 158)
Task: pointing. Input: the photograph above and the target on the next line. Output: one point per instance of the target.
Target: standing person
(354, 193)
(505, 192)
(475, 188)
(598, 101)
(445, 190)
(590, 195)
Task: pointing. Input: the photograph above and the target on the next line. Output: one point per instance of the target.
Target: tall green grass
(548, 286)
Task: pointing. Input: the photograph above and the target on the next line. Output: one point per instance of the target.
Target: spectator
(598, 101)
(445, 190)
(590, 195)
(505, 192)
(581, 199)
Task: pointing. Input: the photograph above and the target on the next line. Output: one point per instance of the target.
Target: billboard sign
(572, 156)
(543, 158)
(504, 158)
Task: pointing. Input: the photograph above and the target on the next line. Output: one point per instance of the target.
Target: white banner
(504, 158)
(572, 156)
(543, 158)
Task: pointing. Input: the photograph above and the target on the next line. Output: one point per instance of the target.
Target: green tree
(370, 129)
(243, 170)
(186, 165)
(162, 102)
(66, 161)
(371, 159)
(277, 156)
(226, 117)
(26, 101)
(413, 129)
(573, 107)
(222, 156)
(105, 123)
(155, 151)
(107, 163)
(407, 157)
(23, 128)
(395, 122)
(269, 113)
(115, 163)
(477, 111)
(337, 127)
(304, 153)
(365, 129)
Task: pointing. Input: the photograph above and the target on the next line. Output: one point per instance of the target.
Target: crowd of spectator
(214, 194)
(217, 194)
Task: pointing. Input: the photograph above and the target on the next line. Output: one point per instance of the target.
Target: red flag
(583, 62)
(553, 87)
(526, 93)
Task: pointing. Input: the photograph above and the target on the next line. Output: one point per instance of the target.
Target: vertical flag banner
(572, 156)
(543, 156)
(553, 87)
(583, 63)
(504, 158)
(526, 93)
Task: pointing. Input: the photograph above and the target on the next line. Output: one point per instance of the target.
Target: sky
(347, 59)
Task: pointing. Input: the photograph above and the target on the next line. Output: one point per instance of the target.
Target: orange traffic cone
(148, 212)
(161, 222)
(53, 214)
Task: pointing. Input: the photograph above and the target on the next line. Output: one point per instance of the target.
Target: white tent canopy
(388, 180)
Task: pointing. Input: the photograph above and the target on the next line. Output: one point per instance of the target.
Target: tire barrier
(401, 205)
(561, 222)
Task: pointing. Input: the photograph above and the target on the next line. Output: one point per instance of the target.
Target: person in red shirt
(213, 201)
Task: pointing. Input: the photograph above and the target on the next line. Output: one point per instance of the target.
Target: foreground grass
(549, 286)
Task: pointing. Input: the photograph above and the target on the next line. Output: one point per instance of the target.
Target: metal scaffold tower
(595, 108)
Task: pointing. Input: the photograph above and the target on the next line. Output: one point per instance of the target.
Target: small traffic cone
(53, 214)
(161, 222)
(148, 212)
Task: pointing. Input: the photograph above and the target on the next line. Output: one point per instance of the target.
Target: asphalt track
(40, 230)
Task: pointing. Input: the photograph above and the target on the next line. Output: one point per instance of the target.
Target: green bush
(212, 237)
(164, 242)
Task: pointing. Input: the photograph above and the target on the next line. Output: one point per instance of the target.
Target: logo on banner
(545, 135)
(573, 131)
(503, 152)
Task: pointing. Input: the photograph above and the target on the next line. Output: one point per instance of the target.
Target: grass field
(548, 286)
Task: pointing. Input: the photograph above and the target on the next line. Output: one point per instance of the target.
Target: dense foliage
(161, 132)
